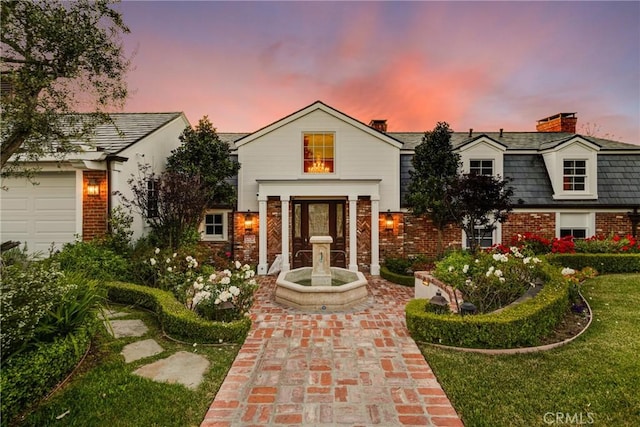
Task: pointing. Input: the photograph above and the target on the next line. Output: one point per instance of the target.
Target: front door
(318, 218)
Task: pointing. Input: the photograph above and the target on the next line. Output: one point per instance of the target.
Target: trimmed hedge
(520, 325)
(175, 318)
(603, 263)
(28, 377)
(400, 279)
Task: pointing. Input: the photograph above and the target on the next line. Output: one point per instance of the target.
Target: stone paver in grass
(182, 368)
(140, 349)
(126, 328)
(112, 314)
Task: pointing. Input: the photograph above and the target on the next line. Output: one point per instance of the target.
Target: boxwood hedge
(400, 279)
(603, 263)
(520, 325)
(27, 377)
(176, 320)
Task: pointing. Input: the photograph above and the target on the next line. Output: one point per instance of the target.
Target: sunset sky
(481, 65)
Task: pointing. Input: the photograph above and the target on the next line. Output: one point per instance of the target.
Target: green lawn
(105, 393)
(593, 381)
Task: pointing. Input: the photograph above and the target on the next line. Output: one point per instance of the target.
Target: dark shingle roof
(127, 129)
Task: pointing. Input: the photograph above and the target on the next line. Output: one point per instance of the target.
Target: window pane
(318, 219)
(319, 152)
(209, 229)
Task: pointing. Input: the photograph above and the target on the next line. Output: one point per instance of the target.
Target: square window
(481, 167)
(214, 226)
(574, 175)
(319, 153)
(484, 237)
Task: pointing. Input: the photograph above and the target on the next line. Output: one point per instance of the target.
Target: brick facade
(94, 207)
(613, 223)
(540, 223)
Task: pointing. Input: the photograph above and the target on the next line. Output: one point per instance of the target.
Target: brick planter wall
(94, 208)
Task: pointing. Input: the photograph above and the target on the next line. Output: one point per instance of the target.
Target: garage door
(39, 214)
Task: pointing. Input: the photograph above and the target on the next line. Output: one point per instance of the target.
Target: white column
(353, 233)
(375, 235)
(284, 201)
(263, 267)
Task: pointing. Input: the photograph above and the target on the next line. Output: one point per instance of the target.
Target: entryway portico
(288, 190)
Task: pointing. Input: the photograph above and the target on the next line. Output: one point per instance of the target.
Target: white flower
(492, 268)
(488, 273)
(536, 260)
(527, 260)
(217, 301)
(252, 282)
(502, 280)
(168, 260)
(225, 280)
(175, 254)
(566, 271)
(225, 296)
(498, 273)
(465, 269)
(152, 261)
(477, 261)
(451, 268)
(157, 251)
(212, 278)
(500, 257)
(227, 272)
(198, 286)
(201, 296)
(169, 269)
(238, 265)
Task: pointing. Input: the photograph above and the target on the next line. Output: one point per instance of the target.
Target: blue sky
(481, 65)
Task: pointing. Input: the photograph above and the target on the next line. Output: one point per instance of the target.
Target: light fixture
(389, 221)
(248, 221)
(93, 187)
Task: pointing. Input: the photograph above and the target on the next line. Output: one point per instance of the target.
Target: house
(319, 171)
(73, 197)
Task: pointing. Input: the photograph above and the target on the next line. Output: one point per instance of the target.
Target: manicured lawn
(106, 393)
(593, 381)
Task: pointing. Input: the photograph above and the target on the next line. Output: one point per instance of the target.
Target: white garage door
(39, 214)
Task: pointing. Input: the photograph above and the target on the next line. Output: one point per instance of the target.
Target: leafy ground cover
(594, 380)
(104, 392)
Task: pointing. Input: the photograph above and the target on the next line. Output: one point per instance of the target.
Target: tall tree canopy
(57, 58)
(202, 153)
(435, 168)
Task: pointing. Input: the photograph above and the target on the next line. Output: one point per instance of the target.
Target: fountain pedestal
(321, 251)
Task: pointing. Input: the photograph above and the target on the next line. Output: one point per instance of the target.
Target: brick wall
(540, 223)
(363, 216)
(613, 223)
(94, 208)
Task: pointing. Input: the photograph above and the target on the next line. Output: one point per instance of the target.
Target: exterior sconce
(248, 222)
(388, 221)
(93, 187)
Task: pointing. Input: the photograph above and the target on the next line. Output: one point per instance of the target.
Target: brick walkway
(358, 368)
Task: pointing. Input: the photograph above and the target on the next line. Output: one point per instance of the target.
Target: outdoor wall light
(389, 221)
(248, 221)
(93, 187)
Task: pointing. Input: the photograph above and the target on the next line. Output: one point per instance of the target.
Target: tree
(481, 201)
(203, 153)
(435, 168)
(57, 58)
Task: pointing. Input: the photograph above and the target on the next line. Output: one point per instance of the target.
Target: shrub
(27, 377)
(608, 244)
(603, 263)
(516, 326)
(177, 320)
(94, 260)
(400, 279)
(399, 265)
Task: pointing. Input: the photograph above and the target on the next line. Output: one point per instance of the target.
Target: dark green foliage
(435, 167)
(602, 263)
(175, 318)
(57, 57)
(203, 153)
(400, 279)
(28, 377)
(516, 326)
(93, 260)
(118, 237)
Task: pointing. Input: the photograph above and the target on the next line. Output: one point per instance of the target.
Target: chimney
(380, 125)
(561, 122)
(470, 132)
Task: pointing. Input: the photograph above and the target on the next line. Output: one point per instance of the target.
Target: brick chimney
(380, 125)
(561, 122)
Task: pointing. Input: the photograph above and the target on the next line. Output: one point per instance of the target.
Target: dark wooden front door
(318, 218)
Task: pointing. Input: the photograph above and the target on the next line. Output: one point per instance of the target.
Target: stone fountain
(321, 287)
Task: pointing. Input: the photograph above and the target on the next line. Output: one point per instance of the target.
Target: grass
(594, 380)
(106, 393)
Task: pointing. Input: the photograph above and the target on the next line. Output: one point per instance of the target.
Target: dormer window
(319, 153)
(574, 175)
(481, 167)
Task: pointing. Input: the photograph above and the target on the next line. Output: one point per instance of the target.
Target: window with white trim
(152, 198)
(319, 153)
(214, 225)
(576, 233)
(574, 175)
(481, 167)
(484, 237)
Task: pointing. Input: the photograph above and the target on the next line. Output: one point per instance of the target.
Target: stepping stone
(126, 328)
(182, 368)
(140, 350)
(111, 314)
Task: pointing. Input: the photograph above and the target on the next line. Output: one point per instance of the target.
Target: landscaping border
(399, 279)
(175, 318)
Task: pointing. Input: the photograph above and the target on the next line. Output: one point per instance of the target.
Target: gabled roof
(318, 105)
(127, 129)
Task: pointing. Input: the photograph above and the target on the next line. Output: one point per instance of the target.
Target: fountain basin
(290, 292)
